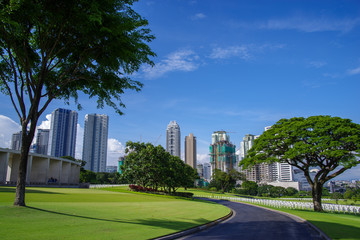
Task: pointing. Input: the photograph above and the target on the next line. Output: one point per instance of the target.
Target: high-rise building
(42, 141)
(62, 136)
(246, 144)
(190, 150)
(16, 141)
(261, 173)
(173, 139)
(222, 152)
(200, 170)
(207, 171)
(95, 142)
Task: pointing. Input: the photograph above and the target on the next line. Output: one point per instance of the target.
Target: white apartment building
(173, 145)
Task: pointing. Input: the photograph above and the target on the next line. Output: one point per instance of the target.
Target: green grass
(59, 213)
(335, 225)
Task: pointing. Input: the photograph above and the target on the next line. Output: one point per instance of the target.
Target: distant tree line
(87, 176)
(224, 182)
(151, 166)
(253, 189)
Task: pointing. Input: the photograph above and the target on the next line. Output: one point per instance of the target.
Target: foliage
(249, 188)
(336, 196)
(275, 191)
(150, 166)
(290, 191)
(353, 194)
(329, 143)
(325, 192)
(224, 181)
(87, 176)
(58, 49)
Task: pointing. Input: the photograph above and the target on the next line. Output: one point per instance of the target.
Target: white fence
(290, 204)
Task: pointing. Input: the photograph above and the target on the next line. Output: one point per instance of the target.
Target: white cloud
(115, 150)
(45, 124)
(306, 24)
(234, 51)
(244, 51)
(198, 16)
(202, 158)
(8, 128)
(317, 64)
(354, 71)
(183, 61)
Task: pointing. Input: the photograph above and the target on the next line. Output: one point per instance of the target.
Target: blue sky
(236, 66)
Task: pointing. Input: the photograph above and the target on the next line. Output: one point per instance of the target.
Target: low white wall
(295, 185)
(40, 168)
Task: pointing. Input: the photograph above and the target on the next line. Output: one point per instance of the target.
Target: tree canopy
(331, 144)
(225, 181)
(58, 49)
(151, 166)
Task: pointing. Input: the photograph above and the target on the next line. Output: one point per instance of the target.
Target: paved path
(250, 222)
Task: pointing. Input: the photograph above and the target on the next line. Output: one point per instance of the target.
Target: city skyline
(237, 66)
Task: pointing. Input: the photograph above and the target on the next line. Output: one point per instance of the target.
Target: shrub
(183, 194)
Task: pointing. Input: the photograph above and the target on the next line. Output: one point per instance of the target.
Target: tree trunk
(316, 195)
(26, 140)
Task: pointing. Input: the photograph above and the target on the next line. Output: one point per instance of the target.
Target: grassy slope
(96, 214)
(336, 226)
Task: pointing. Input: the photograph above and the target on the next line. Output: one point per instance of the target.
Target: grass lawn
(335, 225)
(62, 213)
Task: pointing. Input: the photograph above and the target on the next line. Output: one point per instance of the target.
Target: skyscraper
(264, 172)
(252, 174)
(42, 141)
(200, 170)
(16, 141)
(222, 152)
(190, 150)
(62, 136)
(173, 139)
(95, 142)
(207, 171)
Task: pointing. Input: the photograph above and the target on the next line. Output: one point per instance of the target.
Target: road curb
(294, 217)
(195, 229)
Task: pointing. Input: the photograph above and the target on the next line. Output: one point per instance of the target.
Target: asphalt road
(250, 222)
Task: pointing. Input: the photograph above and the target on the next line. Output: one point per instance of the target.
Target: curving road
(250, 222)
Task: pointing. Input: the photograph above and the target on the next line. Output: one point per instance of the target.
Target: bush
(183, 194)
(138, 188)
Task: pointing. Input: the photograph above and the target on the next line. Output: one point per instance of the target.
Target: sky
(231, 65)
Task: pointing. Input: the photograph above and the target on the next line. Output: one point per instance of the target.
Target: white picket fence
(290, 204)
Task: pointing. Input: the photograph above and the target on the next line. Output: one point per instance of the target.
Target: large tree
(225, 181)
(57, 49)
(330, 144)
(152, 166)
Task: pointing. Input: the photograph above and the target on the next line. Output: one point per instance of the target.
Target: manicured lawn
(335, 225)
(59, 213)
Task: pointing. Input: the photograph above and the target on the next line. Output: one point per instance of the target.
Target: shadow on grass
(338, 230)
(13, 190)
(161, 223)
